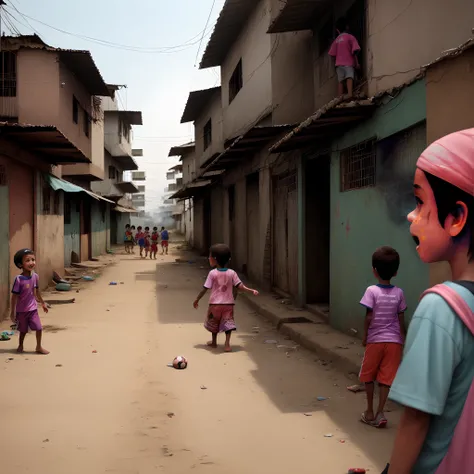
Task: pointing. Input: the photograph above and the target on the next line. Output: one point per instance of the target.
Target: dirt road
(122, 410)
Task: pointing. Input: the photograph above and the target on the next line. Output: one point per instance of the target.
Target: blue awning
(60, 185)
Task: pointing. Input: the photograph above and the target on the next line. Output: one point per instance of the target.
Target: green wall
(364, 219)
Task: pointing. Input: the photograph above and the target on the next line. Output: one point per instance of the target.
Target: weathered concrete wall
(49, 235)
(217, 234)
(198, 224)
(417, 26)
(367, 218)
(254, 100)
(100, 227)
(449, 108)
(4, 249)
(72, 227)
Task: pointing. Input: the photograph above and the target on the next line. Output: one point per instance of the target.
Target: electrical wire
(205, 27)
(139, 49)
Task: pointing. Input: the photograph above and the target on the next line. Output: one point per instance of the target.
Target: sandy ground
(122, 410)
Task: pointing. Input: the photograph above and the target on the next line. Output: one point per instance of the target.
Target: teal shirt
(436, 373)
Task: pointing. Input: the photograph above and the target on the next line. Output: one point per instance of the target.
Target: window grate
(7, 74)
(358, 166)
(3, 175)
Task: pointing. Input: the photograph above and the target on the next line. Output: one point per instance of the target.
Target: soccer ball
(180, 362)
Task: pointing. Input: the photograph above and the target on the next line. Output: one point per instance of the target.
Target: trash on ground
(307, 414)
(94, 352)
(271, 341)
(203, 387)
(113, 283)
(288, 348)
(342, 441)
(46, 440)
(87, 278)
(59, 365)
(170, 414)
(354, 331)
(4, 337)
(55, 302)
(63, 287)
(180, 362)
(321, 399)
(328, 435)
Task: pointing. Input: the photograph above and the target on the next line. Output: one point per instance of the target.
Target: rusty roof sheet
(197, 100)
(298, 15)
(452, 53)
(233, 16)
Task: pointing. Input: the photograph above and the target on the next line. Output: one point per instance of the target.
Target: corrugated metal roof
(233, 16)
(197, 100)
(181, 149)
(452, 53)
(61, 185)
(298, 15)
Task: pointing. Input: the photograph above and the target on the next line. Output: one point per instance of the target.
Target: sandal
(364, 419)
(380, 421)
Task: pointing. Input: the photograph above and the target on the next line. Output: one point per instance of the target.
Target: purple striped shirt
(386, 302)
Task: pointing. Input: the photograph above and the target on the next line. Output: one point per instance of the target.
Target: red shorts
(381, 362)
(154, 247)
(164, 243)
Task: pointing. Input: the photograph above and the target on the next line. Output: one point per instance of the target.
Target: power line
(140, 49)
(205, 28)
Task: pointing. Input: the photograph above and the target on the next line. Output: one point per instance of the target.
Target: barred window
(358, 166)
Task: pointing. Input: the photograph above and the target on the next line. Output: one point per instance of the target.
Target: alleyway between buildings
(122, 410)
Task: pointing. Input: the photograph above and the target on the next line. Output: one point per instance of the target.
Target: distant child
(164, 241)
(25, 293)
(147, 241)
(384, 333)
(435, 380)
(134, 241)
(140, 238)
(221, 281)
(128, 239)
(344, 49)
(155, 237)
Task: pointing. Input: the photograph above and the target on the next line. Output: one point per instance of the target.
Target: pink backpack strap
(460, 456)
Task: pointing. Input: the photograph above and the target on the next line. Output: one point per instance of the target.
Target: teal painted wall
(100, 227)
(72, 230)
(364, 219)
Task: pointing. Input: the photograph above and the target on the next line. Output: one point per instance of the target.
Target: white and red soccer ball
(180, 362)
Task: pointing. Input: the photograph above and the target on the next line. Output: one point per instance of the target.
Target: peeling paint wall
(365, 219)
(100, 228)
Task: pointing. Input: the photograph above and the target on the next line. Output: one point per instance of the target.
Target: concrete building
(41, 85)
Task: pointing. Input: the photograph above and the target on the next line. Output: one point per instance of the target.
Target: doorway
(317, 230)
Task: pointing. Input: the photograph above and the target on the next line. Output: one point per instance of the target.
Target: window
(236, 82)
(358, 166)
(112, 172)
(207, 134)
(46, 199)
(75, 110)
(7, 74)
(87, 124)
(125, 130)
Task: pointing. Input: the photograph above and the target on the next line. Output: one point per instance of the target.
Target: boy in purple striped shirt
(384, 333)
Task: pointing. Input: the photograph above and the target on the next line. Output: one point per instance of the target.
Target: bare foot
(20, 350)
(40, 350)
(228, 349)
(212, 344)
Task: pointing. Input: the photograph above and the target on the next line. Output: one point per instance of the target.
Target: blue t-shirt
(164, 235)
(436, 372)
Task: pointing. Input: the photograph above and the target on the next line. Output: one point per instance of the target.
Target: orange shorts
(381, 362)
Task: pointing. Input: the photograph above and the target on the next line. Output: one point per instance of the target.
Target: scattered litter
(342, 347)
(328, 435)
(307, 414)
(288, 348)
(11, 358)
(271, 341)
(122, 283)
(87, 278)
(170, 414)
(354, 331)
(321, 399)
(4, 337)
(56, 302)
(59, 365)
(94, 352)
(203, 387)
(342, 441)
(113, 283)
(180, 362)
(46, 440)
(63, 287)
(8, 333)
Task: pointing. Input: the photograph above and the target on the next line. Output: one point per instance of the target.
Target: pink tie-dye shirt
(221, 282)
(343, 49)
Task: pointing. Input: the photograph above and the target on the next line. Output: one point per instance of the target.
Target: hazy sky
(158, 83)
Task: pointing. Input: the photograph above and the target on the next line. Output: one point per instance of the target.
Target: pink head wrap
(451, 159)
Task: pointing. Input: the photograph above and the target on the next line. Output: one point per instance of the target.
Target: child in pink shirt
(222, 282)
(344, 49)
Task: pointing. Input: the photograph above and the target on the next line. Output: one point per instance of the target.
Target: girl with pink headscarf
(436, 431)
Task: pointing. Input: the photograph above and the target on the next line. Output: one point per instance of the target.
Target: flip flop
(366, 421)
(380, 421)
